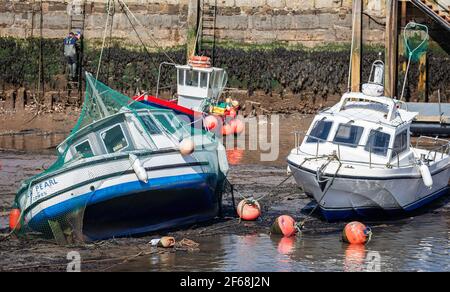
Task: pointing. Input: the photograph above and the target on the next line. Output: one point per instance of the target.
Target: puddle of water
(420, 245)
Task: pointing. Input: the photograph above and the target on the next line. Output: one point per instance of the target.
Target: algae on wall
(274, 68)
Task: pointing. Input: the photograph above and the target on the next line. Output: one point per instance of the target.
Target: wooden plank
(390, 89)
(357, 46)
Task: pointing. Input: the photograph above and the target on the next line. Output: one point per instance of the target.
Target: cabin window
(203, 80)
(348, 135)
(320, 132)
(84, 149)
(192, 78)
(181, 77)
(378, 143)
(114, 139)
(400, 143)
(150, 125)
(165, 123)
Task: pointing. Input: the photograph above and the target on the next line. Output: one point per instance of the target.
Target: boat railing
(299, 136)
(431, 156)
(434, 149)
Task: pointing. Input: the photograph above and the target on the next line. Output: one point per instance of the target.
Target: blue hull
(333, 215)
(136, 208)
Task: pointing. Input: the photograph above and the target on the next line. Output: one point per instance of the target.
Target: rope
(139, 37)
(321, 169)
(104, 39)
(151, 37)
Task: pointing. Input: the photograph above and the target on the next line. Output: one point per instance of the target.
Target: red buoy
(284, 225)
(227, 130)
(237, 126)
(356, 233)
(249, 210)
(14, 219)
(211, 123)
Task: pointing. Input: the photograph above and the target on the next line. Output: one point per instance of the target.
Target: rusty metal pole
(356, 46)
(391, 74)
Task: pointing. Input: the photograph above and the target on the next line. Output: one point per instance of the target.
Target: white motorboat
(357, 158)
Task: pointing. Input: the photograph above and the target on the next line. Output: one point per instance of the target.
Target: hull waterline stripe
(129, 171)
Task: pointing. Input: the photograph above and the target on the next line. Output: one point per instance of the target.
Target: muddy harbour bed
(419, 242)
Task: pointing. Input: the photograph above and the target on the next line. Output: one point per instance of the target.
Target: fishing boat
(126, 169)
(198, 98)
(357, 158)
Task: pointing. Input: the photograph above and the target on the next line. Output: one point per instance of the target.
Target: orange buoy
(232, 113)
(187, 146)
(14, 219)
(284, 225)
(237, 126)
(249, 210)
(227, 130)
(211, 123)
(356, 233)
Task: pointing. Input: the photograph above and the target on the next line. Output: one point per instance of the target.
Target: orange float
(232, 113)
(237, 126)
(284, 225)
(249, 210)
(211, 123)
(227, 130)
(356, 233)
(14, 219)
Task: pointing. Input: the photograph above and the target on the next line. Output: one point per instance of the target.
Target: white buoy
(426, 176)
(187, 146)
(288, 170)
(138, 168)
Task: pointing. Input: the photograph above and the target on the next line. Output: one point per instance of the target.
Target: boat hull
(180, 191)
(369, 197)
(133, 208)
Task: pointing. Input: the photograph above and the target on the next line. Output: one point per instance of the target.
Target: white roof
(379, 110)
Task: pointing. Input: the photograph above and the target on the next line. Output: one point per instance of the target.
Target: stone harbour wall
(305, 22)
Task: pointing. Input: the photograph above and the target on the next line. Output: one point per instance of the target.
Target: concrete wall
(307, 22)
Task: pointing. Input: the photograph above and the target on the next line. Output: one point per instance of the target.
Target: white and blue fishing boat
(358, 158)
(126, 169)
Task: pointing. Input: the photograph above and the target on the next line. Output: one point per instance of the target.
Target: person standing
(71, 54)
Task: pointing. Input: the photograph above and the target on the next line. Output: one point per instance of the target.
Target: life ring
(200, 61)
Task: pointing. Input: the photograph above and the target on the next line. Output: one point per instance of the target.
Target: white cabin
(199, 87)
(362, 128)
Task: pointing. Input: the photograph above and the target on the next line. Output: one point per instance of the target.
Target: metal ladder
(77, 24)
(207, 42)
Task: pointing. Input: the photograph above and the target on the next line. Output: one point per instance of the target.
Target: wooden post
(401, 45)
(356, 46)
(20, 99)
(391, 74)
(192, 21)
(422, 85)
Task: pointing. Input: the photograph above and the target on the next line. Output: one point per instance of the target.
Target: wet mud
(417, 242)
